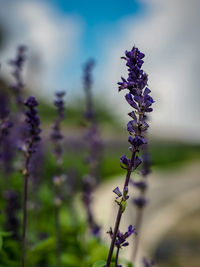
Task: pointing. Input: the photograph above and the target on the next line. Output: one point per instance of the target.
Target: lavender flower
(140, 100)
(121, 240)
(95, 149)
(56, 135)
(18, 64)
(6, 154)
(87, 79)
(33, 136)
(59, 178)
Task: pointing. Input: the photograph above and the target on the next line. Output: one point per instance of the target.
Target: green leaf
(100, 263)
(123, 205)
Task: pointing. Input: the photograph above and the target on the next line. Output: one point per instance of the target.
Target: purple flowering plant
(140, 100)
(29, 148)
(59, 177)
(75, 243)
(18, 84)
(94, 145)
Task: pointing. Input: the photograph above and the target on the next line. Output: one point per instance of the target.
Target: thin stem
(117, 257)
(58, 244)
(24, 226)
(119, 214)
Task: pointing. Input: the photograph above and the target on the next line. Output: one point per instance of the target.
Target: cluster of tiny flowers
(56, 135)
(59, 103)
(138, 98)
(121, 238)
(33, 123)
(18, 64)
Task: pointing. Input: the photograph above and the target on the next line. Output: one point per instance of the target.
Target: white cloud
(51, 39)
(168, 33)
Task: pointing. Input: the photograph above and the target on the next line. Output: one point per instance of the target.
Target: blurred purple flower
(56, 135)
(33, 122)
(147, 263)
(6, 146)
(87, 81)
(18, 85)
(94, 143)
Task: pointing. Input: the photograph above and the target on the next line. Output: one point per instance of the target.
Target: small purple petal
(117, 192)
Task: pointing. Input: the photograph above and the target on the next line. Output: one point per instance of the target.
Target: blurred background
(61, 36)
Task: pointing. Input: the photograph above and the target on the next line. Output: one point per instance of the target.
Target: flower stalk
(138, 98)
(59, 178)
(33, 136)
(95, 150)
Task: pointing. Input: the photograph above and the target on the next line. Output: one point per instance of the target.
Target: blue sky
(99, 18)
(98, 12)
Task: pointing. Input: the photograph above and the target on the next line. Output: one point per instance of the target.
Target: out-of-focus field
(175, 173)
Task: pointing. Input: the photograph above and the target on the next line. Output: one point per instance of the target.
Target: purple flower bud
(31, 102)
(140, 201)
(124, 160)
(132, 126)
(137, 141)
(137, 162)
(33, 123)
(121, 238)
(132, 115)
(142, 185)
(130, 100)
(117, 192)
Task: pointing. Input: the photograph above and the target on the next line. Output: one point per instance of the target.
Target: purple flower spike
(18, 85)
(140, 100)
(94, 144)
(33, 121)
(56, 135)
